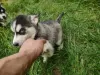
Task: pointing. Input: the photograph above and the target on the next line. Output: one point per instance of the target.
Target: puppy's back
(49, 30)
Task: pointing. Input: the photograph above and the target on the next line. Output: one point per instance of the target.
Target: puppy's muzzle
(4, 17)
(15, 44)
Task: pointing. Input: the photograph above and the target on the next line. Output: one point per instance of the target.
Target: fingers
(39, 40)
(42, 40)
(30, 39)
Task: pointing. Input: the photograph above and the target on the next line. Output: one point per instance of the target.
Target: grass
(81, 35)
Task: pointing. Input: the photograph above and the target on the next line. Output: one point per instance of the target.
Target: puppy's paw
(47, 51)
(45, 58)
(60, 47)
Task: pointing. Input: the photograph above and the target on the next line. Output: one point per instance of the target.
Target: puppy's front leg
(48, 51)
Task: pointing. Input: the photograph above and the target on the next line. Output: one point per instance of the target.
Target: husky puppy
(28, 26)
(2, 16)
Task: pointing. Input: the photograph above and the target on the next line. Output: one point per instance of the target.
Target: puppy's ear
(34, 19)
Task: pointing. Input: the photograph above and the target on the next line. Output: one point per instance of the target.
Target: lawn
(81, 35)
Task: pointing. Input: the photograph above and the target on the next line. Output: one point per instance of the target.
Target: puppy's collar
(37, 31)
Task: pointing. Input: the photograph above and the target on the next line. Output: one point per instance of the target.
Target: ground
(81, 35)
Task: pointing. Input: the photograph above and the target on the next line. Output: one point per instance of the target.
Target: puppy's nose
(16, 44)
(4, 17)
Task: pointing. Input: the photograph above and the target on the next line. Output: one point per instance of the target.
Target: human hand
(20, 62)
(34, 47)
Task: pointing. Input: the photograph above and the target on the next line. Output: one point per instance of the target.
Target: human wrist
(30, 55)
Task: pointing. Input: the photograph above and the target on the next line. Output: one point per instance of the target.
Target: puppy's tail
(59, 17)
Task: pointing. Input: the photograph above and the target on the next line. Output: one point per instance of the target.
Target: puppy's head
(24, 27)
(2, 14)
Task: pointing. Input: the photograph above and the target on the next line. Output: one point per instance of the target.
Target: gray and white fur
(27, 26)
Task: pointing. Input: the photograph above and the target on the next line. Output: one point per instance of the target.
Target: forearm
(18, 63)
(15, 64)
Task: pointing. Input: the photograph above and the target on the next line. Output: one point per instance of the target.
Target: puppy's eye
(2, 11)
(22, 31)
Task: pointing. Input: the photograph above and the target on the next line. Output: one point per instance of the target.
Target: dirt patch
(56, 71)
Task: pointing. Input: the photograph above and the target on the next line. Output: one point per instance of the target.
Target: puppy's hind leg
(59, 40)
(48, 51)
